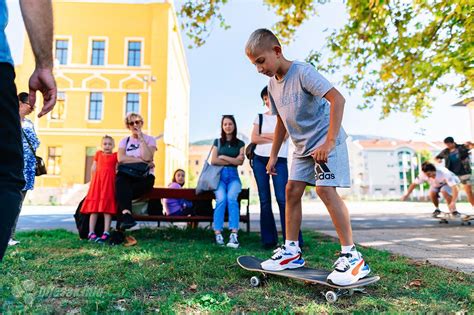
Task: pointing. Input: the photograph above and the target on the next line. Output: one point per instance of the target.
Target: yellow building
(112, 57)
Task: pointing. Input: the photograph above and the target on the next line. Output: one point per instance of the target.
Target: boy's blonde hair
(261, 39)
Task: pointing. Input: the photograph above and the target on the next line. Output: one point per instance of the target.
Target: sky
(223, 81)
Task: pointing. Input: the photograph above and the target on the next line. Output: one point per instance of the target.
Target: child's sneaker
(104, 238)
(92, 237)
(436, 213)
(456, 214)
(283, 259)
(233, 241)
(219, 240)
(348, 269)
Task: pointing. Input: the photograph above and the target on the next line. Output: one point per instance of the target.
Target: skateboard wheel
(331, 296)
(254, 281)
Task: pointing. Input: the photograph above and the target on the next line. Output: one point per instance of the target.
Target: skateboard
(445, 217)
(314, 276)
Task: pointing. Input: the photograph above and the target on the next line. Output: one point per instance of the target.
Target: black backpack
(250, 150)
(82, 223)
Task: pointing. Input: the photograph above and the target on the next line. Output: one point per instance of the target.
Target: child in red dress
(100, 198)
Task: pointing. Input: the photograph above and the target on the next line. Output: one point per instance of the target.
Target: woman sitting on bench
(178, 207)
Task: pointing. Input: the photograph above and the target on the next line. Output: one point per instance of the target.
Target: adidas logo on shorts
(323, 172)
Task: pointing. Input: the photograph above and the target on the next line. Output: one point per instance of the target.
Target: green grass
(175, 270)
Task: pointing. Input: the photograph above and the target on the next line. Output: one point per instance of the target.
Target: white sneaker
(13, 242)
(219, 240)
(348, 269)
(233, 241)
(284, 259)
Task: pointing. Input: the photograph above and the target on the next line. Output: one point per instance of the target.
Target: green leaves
(398, 53)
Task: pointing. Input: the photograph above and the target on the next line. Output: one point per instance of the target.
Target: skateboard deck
(316, 276)
(446, 217)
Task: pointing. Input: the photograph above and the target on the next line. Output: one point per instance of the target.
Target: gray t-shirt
(299, 100)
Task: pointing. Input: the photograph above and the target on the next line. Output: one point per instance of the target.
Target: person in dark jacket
(457, 159)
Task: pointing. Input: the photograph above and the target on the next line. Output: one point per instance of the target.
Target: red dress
(101, 195)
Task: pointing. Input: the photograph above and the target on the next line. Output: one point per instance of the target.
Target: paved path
(400, 227)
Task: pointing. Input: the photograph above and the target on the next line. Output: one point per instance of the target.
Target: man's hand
(42, 80)
(320, 155)
(271, 170)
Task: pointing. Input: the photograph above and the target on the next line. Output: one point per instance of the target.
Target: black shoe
(456, 214)
(127, 221)
(436, 213)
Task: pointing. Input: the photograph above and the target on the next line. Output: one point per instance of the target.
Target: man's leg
(11, 155)
(468, 190)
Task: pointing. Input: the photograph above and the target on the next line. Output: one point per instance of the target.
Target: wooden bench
(190, 194)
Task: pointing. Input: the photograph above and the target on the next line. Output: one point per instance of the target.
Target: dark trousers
(11, 155)
(128, 188)
(268, 228)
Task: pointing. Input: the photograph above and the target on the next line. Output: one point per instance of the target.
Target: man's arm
(38, 19)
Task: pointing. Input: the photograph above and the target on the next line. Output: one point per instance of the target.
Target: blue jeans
(268, 230)
(226, 197)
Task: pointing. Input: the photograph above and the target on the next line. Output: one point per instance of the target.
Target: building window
(98, 52)
(196, 162)
(133, 102)
(134, 54)
(95, 106)
(62, 50)
(54, 160)
(58, 111)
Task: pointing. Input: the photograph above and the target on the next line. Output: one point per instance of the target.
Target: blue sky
(224, 82)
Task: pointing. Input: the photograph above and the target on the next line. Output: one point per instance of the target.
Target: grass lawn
(175, 270)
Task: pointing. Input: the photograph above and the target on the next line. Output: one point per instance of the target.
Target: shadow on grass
(181, 270)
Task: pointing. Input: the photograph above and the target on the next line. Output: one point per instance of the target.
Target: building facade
(111, 58)
(385, 168)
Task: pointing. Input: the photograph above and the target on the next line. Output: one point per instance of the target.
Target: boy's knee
(325, 192)
(293, 192)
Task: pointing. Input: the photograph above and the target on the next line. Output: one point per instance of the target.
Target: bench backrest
(189, 194)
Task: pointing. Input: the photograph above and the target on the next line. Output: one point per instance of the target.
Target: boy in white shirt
(442, 181)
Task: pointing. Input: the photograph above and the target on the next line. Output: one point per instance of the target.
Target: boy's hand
(404, 198)
(271, 170)
(320, 155)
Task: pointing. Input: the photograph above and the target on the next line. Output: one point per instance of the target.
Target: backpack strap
(260, 122)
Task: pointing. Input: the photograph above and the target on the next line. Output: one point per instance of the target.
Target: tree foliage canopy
(397, 52)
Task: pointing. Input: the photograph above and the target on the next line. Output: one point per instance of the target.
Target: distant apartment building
(385, 168)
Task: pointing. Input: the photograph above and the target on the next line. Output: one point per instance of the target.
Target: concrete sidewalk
(404, 228)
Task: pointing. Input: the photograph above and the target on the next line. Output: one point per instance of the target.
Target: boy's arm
(278, 137)
(335, 119)
(409, 191)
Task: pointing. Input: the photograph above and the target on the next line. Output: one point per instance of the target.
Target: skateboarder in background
(457, 159)
(442, 181)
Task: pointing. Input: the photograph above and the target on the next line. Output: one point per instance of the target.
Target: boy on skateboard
(442, 181)
(310, 109)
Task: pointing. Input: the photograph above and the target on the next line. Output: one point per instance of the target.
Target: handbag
(40, 167)
(250, 149)
(210, 174)
(136, 170)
